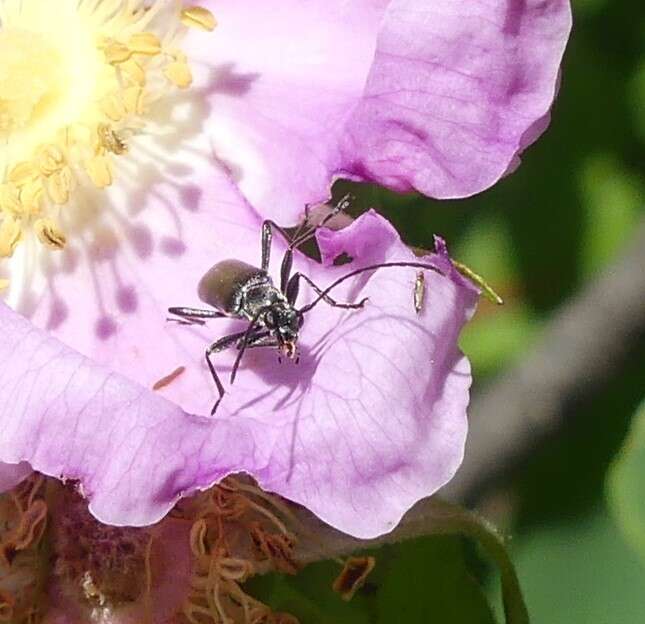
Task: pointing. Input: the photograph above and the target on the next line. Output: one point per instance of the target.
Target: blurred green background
(538, 237)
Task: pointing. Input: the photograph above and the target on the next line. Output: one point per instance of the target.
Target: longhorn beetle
(239, 290)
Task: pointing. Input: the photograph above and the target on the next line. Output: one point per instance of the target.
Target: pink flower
(139, 183)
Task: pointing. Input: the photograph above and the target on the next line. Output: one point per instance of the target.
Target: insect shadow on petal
(237, 290)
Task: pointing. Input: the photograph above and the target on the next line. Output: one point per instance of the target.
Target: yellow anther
(113, 108)
(22, 173)
(145, 43)
(59, 185)
(109, 140)
(198, 17)
(134, 100)
(178, 55)
(10, 232)
(10, 199)
(133, 72)
(50, 234)
(179, 74)
(116, 52)
(50, 159)
(31, 196)
(99, 169)
(4, 283)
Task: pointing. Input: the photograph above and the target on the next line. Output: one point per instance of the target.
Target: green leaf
(427, 579)
(626, 485)
(578, 570)
(452, 519)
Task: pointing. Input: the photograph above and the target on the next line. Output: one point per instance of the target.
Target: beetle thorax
(256, 294)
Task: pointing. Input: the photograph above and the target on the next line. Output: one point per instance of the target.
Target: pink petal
(133, 452)
(281, 79)
(456, 91)
(374, 416)
(12, 474)
(441, 97)
(371, 420)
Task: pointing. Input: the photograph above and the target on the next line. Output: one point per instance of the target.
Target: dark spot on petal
(342, 259)
(105, 327)
(58, 312)
(126, 298)
(141, 239)
(173, 247)
(191, 195)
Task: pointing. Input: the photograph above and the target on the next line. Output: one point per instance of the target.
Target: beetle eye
(269, 319)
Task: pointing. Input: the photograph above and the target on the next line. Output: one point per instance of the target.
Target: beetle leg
(216, 347)
(267, 236)
(194, 316)
(261, 339)
(294, 286)
(301, 236)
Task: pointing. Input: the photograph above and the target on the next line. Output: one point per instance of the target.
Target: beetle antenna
(340, 280)
(342, 205)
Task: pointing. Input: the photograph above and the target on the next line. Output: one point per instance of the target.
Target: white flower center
(77, 79)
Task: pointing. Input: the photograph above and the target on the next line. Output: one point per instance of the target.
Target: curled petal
(440, 97)
(456, 91)
(371, 419)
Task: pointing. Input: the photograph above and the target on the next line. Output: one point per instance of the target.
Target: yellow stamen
(110, 140)
(22, 173)
(59, 185)
(9, 236)
(198, 17)
(77, 77)
(145, 43)
(117, 52)
(9, 198)
(31, 196)
(134, 100)
(49, 234)
(179, 74)
(100, 171)
(113, 108)
(50, 160)
(134, 71)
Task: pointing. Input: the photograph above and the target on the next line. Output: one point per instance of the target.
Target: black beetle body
(239, 290)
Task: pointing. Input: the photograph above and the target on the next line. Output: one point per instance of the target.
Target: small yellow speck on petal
(179, 74)
(10, 233)
(50, 234)
(134, 101)
(59, 185)
(117, 52)
(198, 17)
(4, 283)
(22, 173)
(146, 43)
(133, 72)
(31, 196)
(113, 108)
(10, 198)
(100, 171)
(50, 159)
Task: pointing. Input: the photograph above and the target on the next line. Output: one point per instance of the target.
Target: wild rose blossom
(140, 186)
